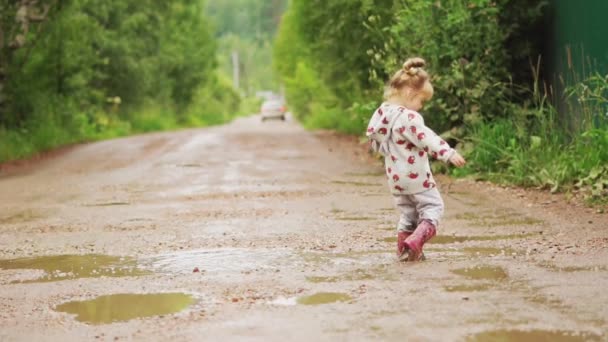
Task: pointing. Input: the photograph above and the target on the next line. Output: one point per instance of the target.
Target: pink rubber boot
(401, 247)
(423, 233)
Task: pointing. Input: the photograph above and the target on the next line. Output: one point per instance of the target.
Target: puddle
(124, 307)
(354, 183)
(572, 269)
(498, 219)
(365, 174)
(189, 165)
(482, 272)
(324, 298)
(488, 251)
(228, 260)
(22, 216)
(351, 258)
(468, 288)
(532, 336)
(380, 272)
(354, 218)
(62, 267)
(107, 204)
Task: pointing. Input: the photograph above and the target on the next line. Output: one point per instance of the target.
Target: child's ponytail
(412, 75)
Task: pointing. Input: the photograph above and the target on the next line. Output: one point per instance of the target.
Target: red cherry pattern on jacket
(389, 170)
(411, 116)
(395, 178)
(421, 153)
(410, 146)
(442, 152)
(413, 175)
(401, 130)
(411, 160)
(400, 142)
(442, 142)
(413, 129)
(398, 188)
(380, 112)
(393, 158)
(385, 121)
(382, 130)
(370, 130)
(421, 135)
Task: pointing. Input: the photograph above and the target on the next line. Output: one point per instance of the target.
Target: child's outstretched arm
(413, 129)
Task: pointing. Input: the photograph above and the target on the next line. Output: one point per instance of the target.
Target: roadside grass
(34, 137)
(541, 148)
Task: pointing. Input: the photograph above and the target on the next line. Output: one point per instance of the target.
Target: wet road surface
(263, 231)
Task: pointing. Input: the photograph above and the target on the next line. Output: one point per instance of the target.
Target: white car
(273, 109)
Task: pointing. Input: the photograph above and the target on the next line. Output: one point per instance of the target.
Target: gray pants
(414, 208)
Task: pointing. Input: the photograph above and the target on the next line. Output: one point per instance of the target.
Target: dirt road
(256, 231)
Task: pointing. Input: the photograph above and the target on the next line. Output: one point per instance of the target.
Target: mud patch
(124, 307)
(229, 260)
(323, 298)
(532, 336)
(64, 267)
(482, 272)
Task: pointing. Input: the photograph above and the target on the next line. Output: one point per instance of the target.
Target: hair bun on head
(413, 65)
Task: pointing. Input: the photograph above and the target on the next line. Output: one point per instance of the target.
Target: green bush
(352, 47)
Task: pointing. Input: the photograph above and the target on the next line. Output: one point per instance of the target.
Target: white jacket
(399, 134)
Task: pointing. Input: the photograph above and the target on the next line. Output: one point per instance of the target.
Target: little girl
(397, 131)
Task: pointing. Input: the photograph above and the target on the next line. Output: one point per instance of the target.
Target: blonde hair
(413, 76)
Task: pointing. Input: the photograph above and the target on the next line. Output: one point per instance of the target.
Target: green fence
(576, 47)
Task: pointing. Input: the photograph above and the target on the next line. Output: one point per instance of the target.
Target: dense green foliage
(334, 58)
(247, 27)
(86, 69)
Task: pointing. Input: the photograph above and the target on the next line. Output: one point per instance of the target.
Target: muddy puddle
(532, 336)
(22, 216)
(499, 218)
(354, 183)
(124, 307)
(380, 258)
(572, 269)
(380, 272)
(468, 288)
(228, 260)
(323, 298)
(355, 218)
(63, 267)
(108, 204)
(484, 272)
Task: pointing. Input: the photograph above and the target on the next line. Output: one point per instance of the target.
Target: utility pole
(235, 71)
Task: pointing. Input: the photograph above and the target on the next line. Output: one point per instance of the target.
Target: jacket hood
(380, 127)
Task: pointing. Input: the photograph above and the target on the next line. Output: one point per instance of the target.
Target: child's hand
(457, 160)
